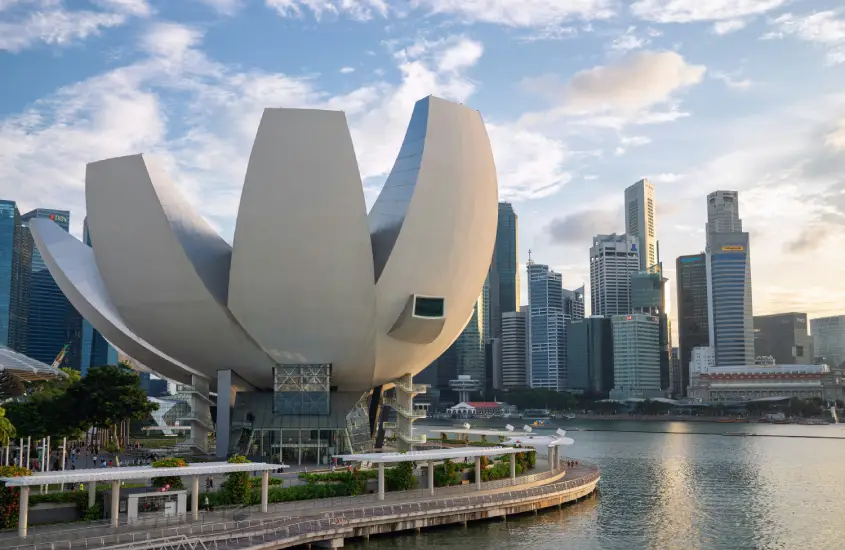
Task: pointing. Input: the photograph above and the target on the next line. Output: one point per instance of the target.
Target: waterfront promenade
(330, 521)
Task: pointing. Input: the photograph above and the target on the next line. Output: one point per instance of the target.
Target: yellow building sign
(733, 248)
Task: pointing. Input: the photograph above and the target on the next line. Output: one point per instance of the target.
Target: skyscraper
(589, 355)
(636, 356)
(648, 295)
(640, 220)
(693, 319)
(96, 351)
(9, 222)
(515, 354)
(729, 282)
(785, 337)
(52, 321)
(829, 339)
(546, 328)
(613, 259)
(506, 265)
(573, 303)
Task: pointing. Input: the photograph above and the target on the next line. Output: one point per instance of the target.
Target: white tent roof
(135, 472)
(27, 368)
(472, 431)
(433, 454)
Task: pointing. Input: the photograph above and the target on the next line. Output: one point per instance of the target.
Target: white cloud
(729, 26)
(836, 139)
(530, 165)
(629, 41)
(524, 13)
(825, 28)
(733, 80)
(635, 83)
(688, 11)
(54, 26)
(361, 10)
(170, 39)
(137, 8)
(347, 70)
(223, 7)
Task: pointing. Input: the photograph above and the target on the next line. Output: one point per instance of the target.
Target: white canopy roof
(433, 454)
(473, 431)
(27, 368)
(135, 472)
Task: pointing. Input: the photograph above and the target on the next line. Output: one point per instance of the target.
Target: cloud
(530, 165)
(347, 70)
(688, 11)
(728, 26)
(546, 14)
(631, 40)
(732, 79)
(637, 82)
(824, 28)
(580, 227)
(361, 10)
(223, 7)
(809, 240)
(836, 139)
(50, 23)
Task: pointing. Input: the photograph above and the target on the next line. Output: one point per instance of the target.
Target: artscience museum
(318, 306)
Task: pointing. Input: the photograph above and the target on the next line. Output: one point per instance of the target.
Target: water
(681, 490)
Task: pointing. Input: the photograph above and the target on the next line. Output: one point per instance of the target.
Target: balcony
(415, 414)
(410, 439)
(390, 425)
(190, 391)
(413, 389)
(203, 420)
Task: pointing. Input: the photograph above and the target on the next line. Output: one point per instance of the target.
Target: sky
(581, 99)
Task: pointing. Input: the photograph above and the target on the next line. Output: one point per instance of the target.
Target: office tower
(648, 295)
(693, 318)
(613, 259)
(636, 356)
(729, 282)
(829, 339)
(589, 345)
(573, 303)
(9, 266)
(515, 354)
(546, 328)
(96, 351)
(640, 220)
(504, 269)
(677, 379)
(783, 336)
(723, 213)
(51, 321)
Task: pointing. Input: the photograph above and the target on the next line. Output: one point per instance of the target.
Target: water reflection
(690, 488)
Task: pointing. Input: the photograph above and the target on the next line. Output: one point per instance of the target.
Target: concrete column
(20, 455)
(195, 497)
(23, 512)
(478, 472)
(28, 450)
(265, 490)
(551, 458)
(92, 493)
(381, 480)
(513, 466)
(431, 477)
(225, 402)
(115, 503)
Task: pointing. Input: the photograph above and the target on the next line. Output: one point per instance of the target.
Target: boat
(536, 415)
(538, 423)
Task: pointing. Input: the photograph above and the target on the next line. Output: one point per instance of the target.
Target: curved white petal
(301, 281)
(433, 227)
(165, 269)
(72, 265)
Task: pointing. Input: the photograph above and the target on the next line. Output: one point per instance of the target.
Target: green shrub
(447, 474)
(400, 477)
(175, 482)
(10, 497)
(237, 485)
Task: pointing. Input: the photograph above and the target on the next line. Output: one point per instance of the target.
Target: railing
(410, 439)
(411, 388)
(416, 414)
(205, 420)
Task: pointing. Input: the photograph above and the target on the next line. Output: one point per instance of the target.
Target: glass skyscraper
(546, 328)
(693, 319)
(505, 266)
(52, 321)
(9, 222)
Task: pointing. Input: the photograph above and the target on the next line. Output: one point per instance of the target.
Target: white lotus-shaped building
(315, 297)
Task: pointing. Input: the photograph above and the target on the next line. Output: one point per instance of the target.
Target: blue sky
(581, 98)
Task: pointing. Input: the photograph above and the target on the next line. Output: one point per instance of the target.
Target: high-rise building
(829, 339)
(51, 321)
(515, 354)
(573, 303)
(546, 328)
(785, 337)
(648, 295)
(589, 355)
(636, 356)
(729, 282)
(9, 266)
(723, 213)
(96, 351)
(693, 319)
(640, 220)
(503, 278)
(613, 259)
(677, 379)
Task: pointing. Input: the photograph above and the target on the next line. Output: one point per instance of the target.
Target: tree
(10, 385)
(109, 395)
(7, 430)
